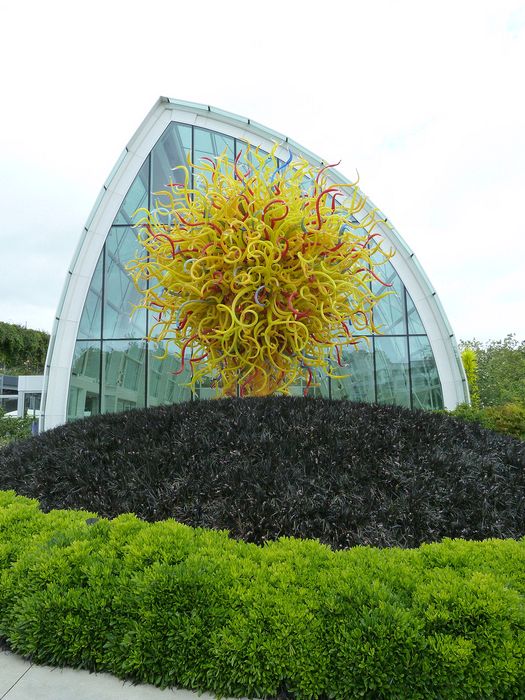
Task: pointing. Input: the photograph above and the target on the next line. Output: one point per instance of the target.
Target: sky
(424, 99)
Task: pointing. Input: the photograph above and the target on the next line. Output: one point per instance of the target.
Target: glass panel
(208, 144)
(356, 321)
(321, 387)
(8, 389)
(389, 313)
(164, 386)
(171, 150)
(318, 388)
(121, 296)
(358, 366)
(207, 388)
(307, 185)
(8, 384)
(31, 403)
(90, 321)
(84, 386)
(9, 405)
(426, 387)
(123, 375)
(248, 161)
(415, 325)
(136, 197)
(392, 371)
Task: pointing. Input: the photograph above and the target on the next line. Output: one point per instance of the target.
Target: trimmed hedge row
(344, 473)
(170, 605)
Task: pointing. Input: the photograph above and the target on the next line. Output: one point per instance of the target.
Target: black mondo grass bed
(278, 547)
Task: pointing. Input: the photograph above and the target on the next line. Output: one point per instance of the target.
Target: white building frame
(80, 273)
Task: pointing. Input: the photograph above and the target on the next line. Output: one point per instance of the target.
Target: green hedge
(166, 604)
(508, 418)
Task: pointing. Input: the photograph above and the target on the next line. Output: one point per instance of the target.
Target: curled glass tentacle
(256, 276)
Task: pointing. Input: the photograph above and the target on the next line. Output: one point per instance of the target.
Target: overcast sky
(425, 99)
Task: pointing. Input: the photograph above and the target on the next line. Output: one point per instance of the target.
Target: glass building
(99, 360)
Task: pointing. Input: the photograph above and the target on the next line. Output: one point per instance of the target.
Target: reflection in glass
(415, 324)
(90, 321)
(84, 387)
(356, 323)
(247, 159)
(123, 375)
(121, 295)
(31, 403)
(171, 149)
(389, 312)
(358, 365)
(322, 387)
(136, 197)
(318, 388)
(392, 371)
(164, 385)
(207, 388)
(426, 387)
(209, 144)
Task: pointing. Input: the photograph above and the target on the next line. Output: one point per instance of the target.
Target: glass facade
(8, 393)
(115, 369)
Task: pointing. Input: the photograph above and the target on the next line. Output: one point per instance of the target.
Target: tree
(470, 364)
(22, 350)
(501, 370)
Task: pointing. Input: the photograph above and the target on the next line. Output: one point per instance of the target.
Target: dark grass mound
(344, 473)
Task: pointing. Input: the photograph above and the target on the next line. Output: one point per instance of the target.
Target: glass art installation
(258, 271)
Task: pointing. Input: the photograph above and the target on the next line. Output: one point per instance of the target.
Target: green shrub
(466, 412)
(170, 605)
(508, 419)
(12, 429)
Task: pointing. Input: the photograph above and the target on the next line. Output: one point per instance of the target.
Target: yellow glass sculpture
(258, 272)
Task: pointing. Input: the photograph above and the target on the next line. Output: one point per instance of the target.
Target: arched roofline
(109, 200)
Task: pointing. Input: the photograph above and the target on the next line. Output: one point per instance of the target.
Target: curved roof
(80, 272)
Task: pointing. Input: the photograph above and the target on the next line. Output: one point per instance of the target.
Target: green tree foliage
(12, 429)
(470, 363)
(22, 350)
(501, 370)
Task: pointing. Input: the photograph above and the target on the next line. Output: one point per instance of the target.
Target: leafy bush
(13, 428)
(343, 473)
(508, 419)
(166, 604)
